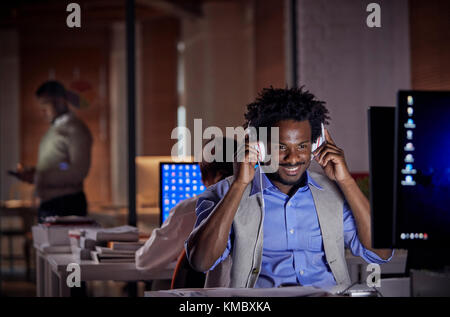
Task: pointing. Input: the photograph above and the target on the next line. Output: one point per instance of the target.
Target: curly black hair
(274, 104)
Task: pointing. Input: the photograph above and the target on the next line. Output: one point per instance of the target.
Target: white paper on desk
(120, 229)
(292, 291)
(122, 233)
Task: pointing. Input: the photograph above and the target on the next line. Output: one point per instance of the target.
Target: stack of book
(112, 245)
(52, 235)
(108, 255)
(82, 246)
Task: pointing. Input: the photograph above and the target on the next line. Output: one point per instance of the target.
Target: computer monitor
(422, 170)
(381, 124)
(178, 181)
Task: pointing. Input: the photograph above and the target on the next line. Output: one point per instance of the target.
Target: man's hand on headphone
(331, 159)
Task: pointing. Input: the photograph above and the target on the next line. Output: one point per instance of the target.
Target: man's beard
(277, 177)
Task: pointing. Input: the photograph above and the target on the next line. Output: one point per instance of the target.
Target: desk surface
(92, 271)
(292, 291)
(10, 208)
(392, 287)
(15, 203)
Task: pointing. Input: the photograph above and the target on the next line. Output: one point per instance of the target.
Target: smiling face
(294, 153)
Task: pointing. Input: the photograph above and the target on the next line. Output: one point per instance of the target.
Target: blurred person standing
(64, 156)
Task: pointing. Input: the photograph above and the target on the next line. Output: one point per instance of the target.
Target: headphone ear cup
(262, 151)
(320, 140)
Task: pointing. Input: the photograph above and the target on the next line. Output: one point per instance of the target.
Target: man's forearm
(360, 207)
(208, 243)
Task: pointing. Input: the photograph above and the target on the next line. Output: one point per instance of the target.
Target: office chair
(184, 276)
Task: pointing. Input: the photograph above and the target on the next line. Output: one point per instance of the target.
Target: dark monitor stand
(428, 271)
(427, 259)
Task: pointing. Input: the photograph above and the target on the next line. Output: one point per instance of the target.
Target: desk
(291, 291)
(52, 274)
(357, 266)
(42, 268)
(392, 287)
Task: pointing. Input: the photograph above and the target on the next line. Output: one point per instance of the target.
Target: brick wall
(430, 44)
(159, 84)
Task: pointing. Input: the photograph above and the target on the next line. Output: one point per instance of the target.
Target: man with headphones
(297, 234)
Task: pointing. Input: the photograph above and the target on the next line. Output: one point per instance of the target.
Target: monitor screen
(381, 123)
(422, 169)
(178, 181)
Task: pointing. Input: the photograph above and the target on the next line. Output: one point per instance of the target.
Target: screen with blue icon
(423, 169)
(178, 181)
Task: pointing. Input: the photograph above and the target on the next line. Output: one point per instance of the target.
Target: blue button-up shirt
(293, 250)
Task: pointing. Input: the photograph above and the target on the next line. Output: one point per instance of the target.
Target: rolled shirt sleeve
(352, 241)
(166, 243)
(206, 204)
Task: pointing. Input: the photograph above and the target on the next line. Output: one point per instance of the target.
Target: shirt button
(289, 204)
(291, 231)
(301, 272)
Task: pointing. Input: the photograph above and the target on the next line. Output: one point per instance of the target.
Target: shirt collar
(267, 184)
